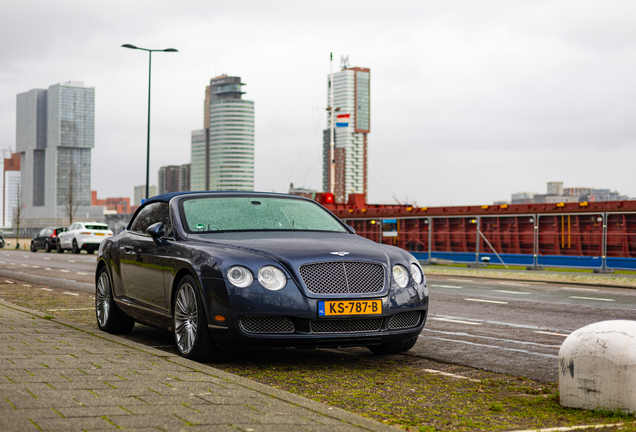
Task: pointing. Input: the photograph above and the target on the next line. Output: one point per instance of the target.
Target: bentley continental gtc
(247, 269)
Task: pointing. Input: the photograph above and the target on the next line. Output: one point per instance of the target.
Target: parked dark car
(46, 239)
(222, 269)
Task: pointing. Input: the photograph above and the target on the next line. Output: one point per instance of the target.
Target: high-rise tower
(352, 115)
(222, 155)
(55, 133)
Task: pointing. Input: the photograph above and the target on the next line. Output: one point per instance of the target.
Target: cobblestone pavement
(57, 375)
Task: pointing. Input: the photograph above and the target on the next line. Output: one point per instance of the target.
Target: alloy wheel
(185, 318)
(102, 299)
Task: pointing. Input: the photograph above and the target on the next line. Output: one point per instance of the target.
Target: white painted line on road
(487, 301)
(579, 289)
(47, 268)
(592, 298)
(447, 286)
(460, 280)
(433, 371)
(8, 281)
(35, 266)
(512, 292)
(456, 321)
(475, 336)
(47, 289)
(2, 262)
(71, 260)
(70, 293)
(26, 285)
(551, 334)
(81, 273)
(507, 324)
(571, 428)
(25, 256)
(511, 283)
(76, 309)
(47, 259)
(491, 346)
(65, 271)
(24, 265)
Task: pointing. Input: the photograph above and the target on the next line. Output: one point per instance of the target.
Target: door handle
(127, 249)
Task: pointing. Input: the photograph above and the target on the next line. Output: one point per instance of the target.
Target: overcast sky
(470, 100)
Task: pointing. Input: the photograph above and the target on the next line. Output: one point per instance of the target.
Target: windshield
(219, 214)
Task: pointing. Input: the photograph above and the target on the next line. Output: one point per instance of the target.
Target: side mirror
(156, 231)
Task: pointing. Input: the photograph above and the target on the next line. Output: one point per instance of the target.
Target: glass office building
(352, 101)
(55, 133)
(223, 152)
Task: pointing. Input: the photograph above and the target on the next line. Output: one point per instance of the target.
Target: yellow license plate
(99, 234)
(349, 307)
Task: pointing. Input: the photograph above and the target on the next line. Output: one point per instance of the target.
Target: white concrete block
(597, 367)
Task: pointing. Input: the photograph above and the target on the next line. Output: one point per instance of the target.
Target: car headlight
(416, 273)
(272, 278)
(401, 276)
(240, 276)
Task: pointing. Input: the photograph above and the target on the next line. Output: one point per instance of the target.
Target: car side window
(42, 232)
(150, 214)
(48, 232)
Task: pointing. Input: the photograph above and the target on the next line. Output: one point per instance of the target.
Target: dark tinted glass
(97, 227)
(152, 213)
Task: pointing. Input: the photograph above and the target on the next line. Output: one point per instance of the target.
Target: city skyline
(470, 102)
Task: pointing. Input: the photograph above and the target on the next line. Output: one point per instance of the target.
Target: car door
(143, 262)
(67, 238)
(39, 240)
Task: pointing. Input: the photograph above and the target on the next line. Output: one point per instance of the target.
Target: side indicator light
(219, 318)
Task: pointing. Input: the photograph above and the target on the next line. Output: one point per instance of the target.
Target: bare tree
(18, 216)
(71, 199)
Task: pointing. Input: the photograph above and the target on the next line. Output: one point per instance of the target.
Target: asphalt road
(506, 327)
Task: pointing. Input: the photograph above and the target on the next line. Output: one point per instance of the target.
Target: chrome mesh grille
(344, 277)
(266, 324)
(346, 325)
(404, 320)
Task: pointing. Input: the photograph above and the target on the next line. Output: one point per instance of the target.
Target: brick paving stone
(56, 375)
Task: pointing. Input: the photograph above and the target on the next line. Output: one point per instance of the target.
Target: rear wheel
(33, 249)
(109, 317)
(190, 323)
(76, 250)
(393, 347)
(47, 246)
(58, 247)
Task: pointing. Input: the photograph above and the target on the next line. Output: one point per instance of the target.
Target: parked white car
(83, 236)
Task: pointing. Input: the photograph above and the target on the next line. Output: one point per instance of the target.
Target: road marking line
(460, 280)
(8, 281)
(433, 371)
(77, 309)
(447, 286)
(24, 265)
(551, 334)
(81, 273)
(47, 289)
(69, 293)
(71, 260)
(47, 259)
(524, 326)
(570, 428)
(491, 346)
(65, 271)
(487, 301)
(579, 289)
(512, 292)
(2, 262)
(36, 266)
(27, 285)
(511, 283)
(456, 321)
(475, 336)
(25, 256)
(592, 298)
(47, 268)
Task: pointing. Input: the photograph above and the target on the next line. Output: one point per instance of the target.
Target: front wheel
(393, 347)
(58, 247)
(190, 324)
(109, 317)
(33, 247)
(76, 250)
(47, 246)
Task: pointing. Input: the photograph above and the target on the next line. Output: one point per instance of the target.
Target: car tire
(33, 249)
(393, 347)
(110, 318)
(58, 247)
(76, 250)
(47, 246)
(190, 325)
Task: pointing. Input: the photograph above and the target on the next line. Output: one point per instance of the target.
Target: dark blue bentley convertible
(223, 269)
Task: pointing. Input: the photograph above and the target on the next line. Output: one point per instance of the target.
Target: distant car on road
(83, 236)
(46, 239)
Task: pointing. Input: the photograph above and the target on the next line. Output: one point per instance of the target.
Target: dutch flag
(342, 120)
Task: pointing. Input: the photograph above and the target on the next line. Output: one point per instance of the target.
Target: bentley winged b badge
(339, 253)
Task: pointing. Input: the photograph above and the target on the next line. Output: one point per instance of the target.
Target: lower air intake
(346, 325)
(266, 324)
(404, 320)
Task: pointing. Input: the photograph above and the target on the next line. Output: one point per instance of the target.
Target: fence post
(604, 268)
(477, 241)
(535, 246)
(430, 238)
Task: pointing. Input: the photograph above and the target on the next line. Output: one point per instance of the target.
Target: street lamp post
(150, 51)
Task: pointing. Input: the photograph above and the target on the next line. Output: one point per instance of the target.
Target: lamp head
(129, 46)
(170, 50)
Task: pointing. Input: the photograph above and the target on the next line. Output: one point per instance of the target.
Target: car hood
(300, 247)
